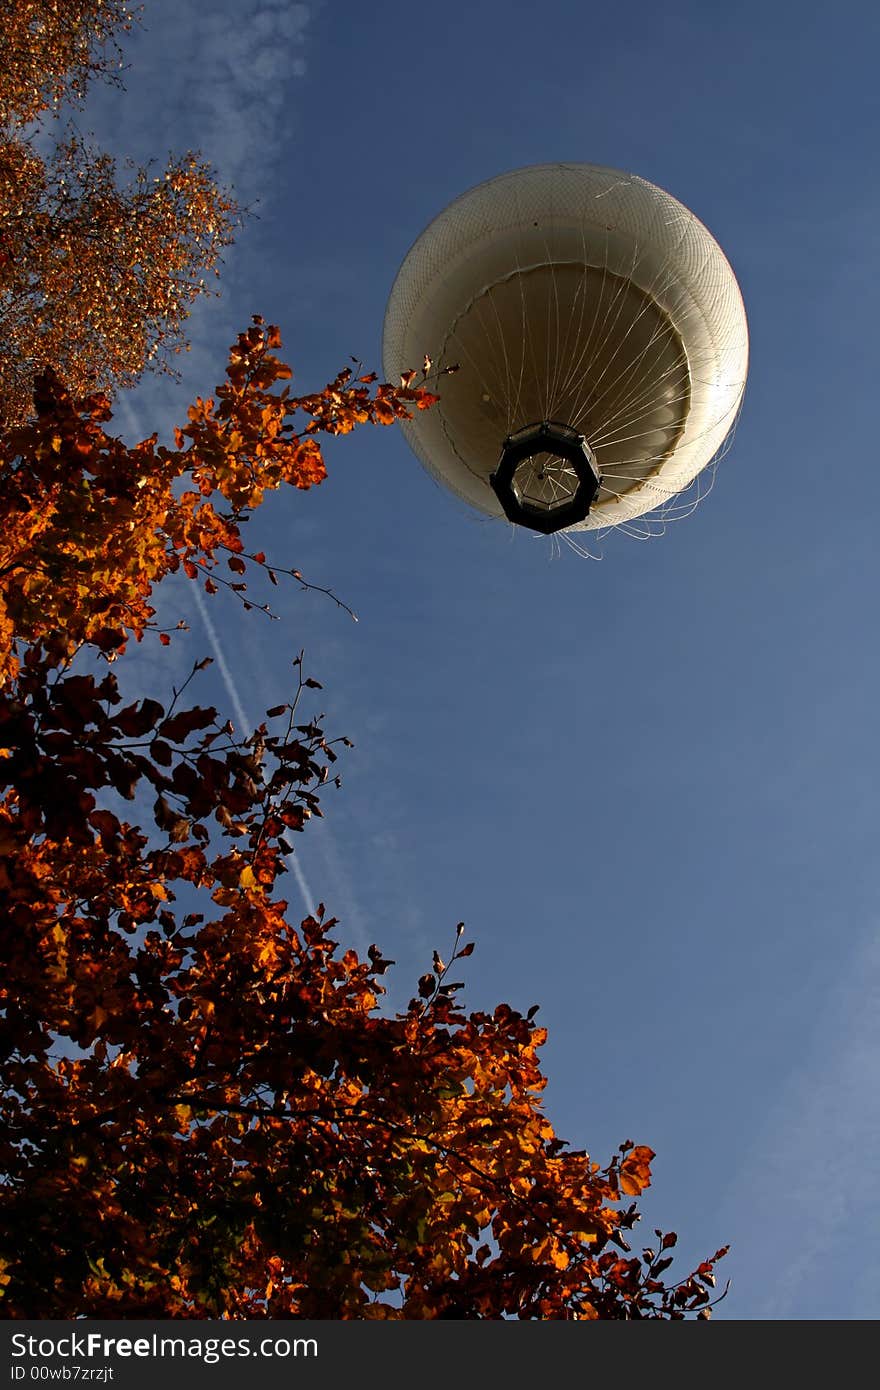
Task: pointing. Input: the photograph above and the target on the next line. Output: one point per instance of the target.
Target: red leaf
(180, 726)
(136, 720)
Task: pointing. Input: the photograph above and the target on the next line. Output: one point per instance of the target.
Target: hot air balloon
(600, 339)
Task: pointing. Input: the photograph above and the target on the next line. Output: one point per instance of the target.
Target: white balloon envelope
(600, 339)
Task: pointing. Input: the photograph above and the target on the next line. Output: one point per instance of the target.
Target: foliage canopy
(97, 276)
(210, 1093)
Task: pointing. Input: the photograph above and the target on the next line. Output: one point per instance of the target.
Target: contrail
(246, 727)
(231, 688)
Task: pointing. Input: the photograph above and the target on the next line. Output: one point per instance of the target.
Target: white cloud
(808, 1190)
(217, 79)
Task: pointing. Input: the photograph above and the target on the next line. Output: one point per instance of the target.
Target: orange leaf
(635, 1171)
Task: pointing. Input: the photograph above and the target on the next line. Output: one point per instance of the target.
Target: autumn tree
(51, 49)
(205, 1111)
(97, 273)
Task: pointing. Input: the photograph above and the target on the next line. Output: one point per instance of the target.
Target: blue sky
(648, 784)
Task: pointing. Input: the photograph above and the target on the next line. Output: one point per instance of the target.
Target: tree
(51, 49)
(207, 1093)
(96, 278)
